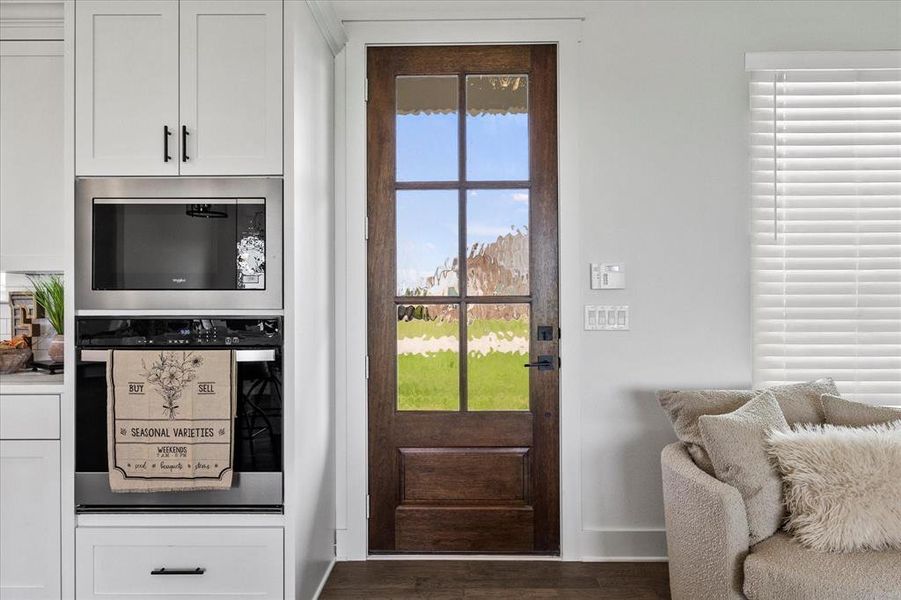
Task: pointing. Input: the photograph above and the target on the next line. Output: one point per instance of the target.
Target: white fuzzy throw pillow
(842, 485)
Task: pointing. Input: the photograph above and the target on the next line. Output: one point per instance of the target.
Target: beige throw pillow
(800, 403)
(736, 445)
(839, 411)
(842, 485)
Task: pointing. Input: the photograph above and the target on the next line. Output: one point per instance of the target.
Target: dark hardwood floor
(441, 579)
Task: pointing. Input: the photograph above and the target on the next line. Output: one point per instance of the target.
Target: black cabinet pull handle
(166, 134)
(165, 571)
(184, 143)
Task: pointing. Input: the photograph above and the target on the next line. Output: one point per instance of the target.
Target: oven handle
(266, 355)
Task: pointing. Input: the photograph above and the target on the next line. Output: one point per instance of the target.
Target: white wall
(310, 300)
(664, 189)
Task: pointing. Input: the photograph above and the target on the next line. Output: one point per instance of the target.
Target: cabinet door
(231, 87)
(126, 87)
(32, 186)
(29, 520)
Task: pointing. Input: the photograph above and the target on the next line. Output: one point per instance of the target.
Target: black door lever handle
(545, 363)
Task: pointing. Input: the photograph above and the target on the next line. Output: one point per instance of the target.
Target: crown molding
(31, 20)
(329, 24)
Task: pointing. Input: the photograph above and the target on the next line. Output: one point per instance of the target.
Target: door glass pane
(497, 127)
(426, 126)
(497, 242)
(498, 347)
(427, 242)
(428, 357)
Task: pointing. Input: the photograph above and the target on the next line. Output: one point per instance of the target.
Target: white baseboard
(325, 576)
(622, 545)
(341, 544)
(484, 557)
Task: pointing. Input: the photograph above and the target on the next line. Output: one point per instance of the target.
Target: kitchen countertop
(31, 382)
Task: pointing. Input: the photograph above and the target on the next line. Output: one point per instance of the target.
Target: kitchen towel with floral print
(170, 420)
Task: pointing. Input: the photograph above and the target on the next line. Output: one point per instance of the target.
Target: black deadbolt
(545, 333)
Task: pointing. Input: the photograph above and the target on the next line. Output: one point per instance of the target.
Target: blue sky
(497, 149)
(427, 226)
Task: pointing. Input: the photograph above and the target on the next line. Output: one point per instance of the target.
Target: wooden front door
(463, 299)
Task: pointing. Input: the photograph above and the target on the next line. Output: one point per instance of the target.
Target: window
(826, 256)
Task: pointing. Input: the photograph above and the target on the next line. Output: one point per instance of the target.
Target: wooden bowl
(13, 359)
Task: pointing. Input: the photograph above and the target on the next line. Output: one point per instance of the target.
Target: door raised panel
(484, 475)
(231, 87)
(126, 87)
(29, 520)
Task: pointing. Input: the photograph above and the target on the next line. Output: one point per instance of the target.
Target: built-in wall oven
(179, 243)
(258, 426)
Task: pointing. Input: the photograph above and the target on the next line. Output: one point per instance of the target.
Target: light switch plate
(606, 318)
(608, 276)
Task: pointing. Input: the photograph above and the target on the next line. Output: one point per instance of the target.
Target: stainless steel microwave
(178, 243)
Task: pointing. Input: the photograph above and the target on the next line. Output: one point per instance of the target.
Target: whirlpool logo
(178, 280)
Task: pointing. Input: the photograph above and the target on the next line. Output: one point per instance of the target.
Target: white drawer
(29, 417)
(226, 564)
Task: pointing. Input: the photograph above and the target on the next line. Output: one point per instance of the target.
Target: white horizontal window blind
(826, 257)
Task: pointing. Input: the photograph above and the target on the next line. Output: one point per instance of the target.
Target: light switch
(608, 276)
(606, 318)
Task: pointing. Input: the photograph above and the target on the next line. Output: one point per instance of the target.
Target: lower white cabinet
(179, 564)
(29, 417)
(29, 520)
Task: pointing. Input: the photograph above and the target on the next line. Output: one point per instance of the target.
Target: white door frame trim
(350, 254)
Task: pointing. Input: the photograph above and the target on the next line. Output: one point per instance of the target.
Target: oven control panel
(155, 332)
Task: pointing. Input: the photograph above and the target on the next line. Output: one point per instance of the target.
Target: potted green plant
(49, 293)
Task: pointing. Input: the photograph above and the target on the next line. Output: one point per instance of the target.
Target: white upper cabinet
(208, 72)
(231, 87)
(32, 133)
(126, 87)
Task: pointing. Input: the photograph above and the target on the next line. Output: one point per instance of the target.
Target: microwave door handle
(267, 355)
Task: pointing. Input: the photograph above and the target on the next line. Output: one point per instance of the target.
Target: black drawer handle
(165, 571)
(184, 143)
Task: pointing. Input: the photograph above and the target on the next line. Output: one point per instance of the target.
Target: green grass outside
(497, 381)
(428, 382)
(476, 329)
